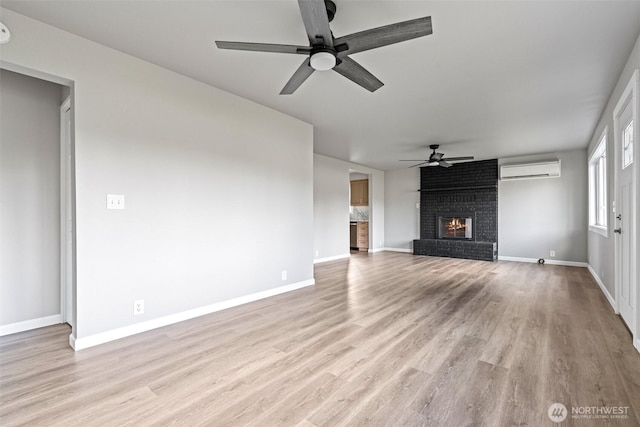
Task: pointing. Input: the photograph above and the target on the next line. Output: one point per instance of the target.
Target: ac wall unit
(548, 169)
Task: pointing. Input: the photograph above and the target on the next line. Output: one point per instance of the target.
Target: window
(598, 187)
(627, 145)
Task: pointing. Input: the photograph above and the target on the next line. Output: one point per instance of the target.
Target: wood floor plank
(384, 339)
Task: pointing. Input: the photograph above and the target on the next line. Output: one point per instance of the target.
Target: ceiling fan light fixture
(323, 60)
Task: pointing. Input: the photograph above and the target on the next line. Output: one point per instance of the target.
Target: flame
(455, 224)
(454, 227)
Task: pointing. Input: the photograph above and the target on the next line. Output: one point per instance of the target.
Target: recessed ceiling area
(495, 79)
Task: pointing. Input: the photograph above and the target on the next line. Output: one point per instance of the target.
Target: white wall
(331, 207)
(600, 248)
(402, 214)
(536, 216)
(29, 198)
(218, 190)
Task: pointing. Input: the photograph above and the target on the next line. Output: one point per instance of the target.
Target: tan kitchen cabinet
(360, 192)
(363, 236)
(353, 235)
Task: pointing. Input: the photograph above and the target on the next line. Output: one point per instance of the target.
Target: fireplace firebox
(455, 227)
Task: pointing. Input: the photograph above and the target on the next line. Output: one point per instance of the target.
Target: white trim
(66, 246)
(600, 151)
(599, 229)
(404, 250)
(72, 341)
(114, 334)
(546, 261)
(331, 258)
(372, 251)
(603, 288)
(5, 65)
(27, 325)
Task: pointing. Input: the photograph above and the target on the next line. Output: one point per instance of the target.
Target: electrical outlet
(115, 201)
(138, 307)
(317, 253)
(284, 274)
(552, 253)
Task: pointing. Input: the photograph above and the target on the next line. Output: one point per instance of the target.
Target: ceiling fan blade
(383, 36)
(421, 160)
(302, 73)
(316, 22)
(264, 47)
(444, 164)
(457, 159)
(419, 164)
(358, 74)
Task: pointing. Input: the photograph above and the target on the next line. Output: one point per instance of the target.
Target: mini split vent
(547, 169)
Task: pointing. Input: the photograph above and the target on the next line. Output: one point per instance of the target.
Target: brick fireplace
(459, 211)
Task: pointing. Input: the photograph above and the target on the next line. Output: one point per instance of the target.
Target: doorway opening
(359, 211)
(38, 189)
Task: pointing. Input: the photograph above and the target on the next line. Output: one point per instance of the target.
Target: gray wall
(600, 248)
(536, 216)
(29, 198)
(402, 214)
(218, 190)
(331, 206)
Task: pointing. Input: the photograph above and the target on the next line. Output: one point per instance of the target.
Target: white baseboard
(403, 250)
(27, 325)
(603, 288)
(372, 251)
(112, 335)
(546, 261)
(331, 258)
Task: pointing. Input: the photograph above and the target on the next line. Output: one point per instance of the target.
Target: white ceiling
(496, 78)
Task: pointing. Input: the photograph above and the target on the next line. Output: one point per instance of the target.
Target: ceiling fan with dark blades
(438, 159)
(326, 52)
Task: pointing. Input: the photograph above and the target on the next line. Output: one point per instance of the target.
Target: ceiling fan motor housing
(331, 9)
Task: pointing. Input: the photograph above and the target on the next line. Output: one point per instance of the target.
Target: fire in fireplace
(455, 227)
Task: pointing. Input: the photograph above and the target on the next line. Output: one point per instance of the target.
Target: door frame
(629, 95)
(66, 214)
(20, 69)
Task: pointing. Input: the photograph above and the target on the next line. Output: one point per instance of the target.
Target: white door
(625, 220)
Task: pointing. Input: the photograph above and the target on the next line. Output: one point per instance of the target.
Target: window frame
(628, 125)
(598, 187)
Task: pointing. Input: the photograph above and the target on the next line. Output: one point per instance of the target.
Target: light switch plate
(115, 201)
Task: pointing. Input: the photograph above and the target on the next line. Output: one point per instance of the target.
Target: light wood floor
(382, 339)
